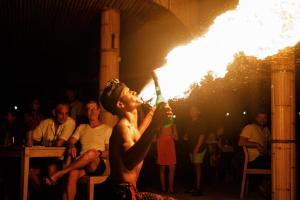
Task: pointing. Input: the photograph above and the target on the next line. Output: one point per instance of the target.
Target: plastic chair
(92, 180)
(248, 171)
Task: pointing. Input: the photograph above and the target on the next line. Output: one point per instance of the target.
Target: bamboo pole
(109, 46)
(283, 125)
(110, 53)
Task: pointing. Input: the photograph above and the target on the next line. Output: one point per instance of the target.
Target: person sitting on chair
(256, 138)
(94, 139)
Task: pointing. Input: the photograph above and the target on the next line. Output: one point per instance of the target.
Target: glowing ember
(258, 28)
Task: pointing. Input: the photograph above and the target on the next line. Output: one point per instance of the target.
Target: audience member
(76, 107)
(11, 134)
(166, 156)
(33, 116)
(94, 138)
(55, 132)
(213, 156)
(226, 147)
(256, 137)
(195, 136)
(11, 129)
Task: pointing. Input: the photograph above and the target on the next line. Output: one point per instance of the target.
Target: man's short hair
(111, 94)
(61, 103)
(260, 112)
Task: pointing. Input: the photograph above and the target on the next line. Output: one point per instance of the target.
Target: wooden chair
(248, 171)
(90, 181)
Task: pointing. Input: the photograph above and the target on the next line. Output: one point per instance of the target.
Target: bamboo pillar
(109, 53)
(283, 125)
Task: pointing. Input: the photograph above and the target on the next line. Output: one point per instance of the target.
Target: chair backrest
(246, 157)
(252, 170)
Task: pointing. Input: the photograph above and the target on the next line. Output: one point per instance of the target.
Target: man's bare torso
(124, 136)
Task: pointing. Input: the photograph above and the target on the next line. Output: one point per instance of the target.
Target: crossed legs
(89, 160)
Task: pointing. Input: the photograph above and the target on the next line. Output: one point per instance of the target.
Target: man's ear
(120, 104)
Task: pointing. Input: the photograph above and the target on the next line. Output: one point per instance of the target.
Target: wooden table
(25, 153)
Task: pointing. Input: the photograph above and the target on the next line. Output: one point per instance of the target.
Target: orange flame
(258, 28)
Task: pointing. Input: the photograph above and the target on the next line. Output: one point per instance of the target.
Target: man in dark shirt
(195, 137)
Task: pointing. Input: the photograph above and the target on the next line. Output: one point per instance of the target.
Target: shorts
(99, 170)
(198, 157)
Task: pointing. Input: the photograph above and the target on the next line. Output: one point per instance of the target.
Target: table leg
(24, 174)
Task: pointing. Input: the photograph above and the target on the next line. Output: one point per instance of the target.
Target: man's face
(92, 111)
(61, 113)
(261, 119)
(130, 99)
(35, 104)
(10, 118)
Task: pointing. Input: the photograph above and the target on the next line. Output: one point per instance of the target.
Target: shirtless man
(129, 144)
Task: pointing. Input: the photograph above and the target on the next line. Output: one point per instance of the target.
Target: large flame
(258, 28)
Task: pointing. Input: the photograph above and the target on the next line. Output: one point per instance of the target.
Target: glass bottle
(159, 98)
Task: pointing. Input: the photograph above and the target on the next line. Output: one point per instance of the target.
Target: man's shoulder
(123, 123)
(248, 128)
(44, 125)
(104, 127)
(47, 121)
(70, 121)
(122, 127)
(82, 126)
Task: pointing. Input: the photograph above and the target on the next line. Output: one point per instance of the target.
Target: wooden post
(110, 53)
(283, 125)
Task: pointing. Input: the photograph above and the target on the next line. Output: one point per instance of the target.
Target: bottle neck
(159, 97)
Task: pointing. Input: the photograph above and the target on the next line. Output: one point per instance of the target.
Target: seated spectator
(76, 107)
(256, 138)
(11, 129)
(11, 134)
(33, 116)
(94, 138)
(55, 132)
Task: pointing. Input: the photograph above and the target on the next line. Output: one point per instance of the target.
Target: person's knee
(91, 154)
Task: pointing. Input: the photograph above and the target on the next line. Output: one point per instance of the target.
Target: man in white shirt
(53, 131)
(256, 137)
(94, 139)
